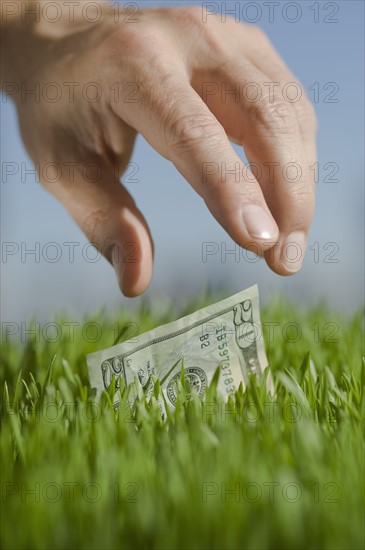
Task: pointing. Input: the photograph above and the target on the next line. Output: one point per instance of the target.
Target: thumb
(110, 219)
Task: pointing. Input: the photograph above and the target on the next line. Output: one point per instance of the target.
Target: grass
(257, 472)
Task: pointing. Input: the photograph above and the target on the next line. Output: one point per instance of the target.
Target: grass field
(259, 472)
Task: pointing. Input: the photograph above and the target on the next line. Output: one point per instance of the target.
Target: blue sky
(317, 52)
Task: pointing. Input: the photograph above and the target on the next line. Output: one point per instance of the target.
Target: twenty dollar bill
(227, 334)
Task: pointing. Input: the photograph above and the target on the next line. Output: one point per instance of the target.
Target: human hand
(168, 62)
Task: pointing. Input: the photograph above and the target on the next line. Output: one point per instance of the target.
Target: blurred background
(323, 44)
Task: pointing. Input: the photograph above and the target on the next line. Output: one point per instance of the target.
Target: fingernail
(259, 223)
(293, 251)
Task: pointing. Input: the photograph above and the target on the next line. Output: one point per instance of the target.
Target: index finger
(179, 125)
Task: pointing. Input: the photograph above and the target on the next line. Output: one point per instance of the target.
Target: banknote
(227, 334)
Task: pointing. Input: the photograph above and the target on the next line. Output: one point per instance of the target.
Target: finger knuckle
(187, 131)
(209, 30)
(255, 38)
(275, 115)
(140, 40)
(257, 33)
(190, 15)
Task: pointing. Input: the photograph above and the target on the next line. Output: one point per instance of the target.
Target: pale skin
(178, 62)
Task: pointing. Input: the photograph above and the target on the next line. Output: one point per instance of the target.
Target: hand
(168, 77)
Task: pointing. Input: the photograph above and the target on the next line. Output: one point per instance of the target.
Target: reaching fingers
(268, 208)
(180, 126)
(271, 134)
